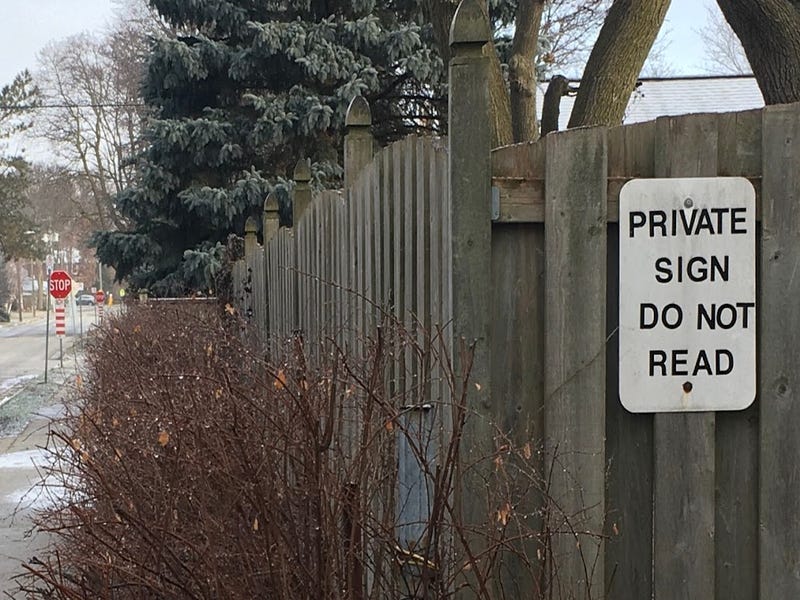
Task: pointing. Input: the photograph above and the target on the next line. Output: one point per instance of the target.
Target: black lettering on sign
(696, 269)
(702, 364)
(670, 317)
(686, 222)
(658, 358)
(636, 219)
(724, 362)
(676, 363)
(725, 316)
(679, 362)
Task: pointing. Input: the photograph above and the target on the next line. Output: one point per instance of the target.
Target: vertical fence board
(341, 237)
(629, 437)
(387, 231)
(359, 202)
(437, 207)
(684, 514)
(575, 369)
(423, 234)
(517, 335)
(736, 523)
(398, 255)
(369, 255)
(377, 239)
(779, 386)
(410, 262)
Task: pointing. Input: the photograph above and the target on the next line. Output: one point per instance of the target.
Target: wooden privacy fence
(517, 248)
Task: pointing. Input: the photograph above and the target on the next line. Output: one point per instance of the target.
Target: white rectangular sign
(687, 301)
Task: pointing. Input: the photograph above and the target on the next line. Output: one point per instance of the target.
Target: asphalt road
(27, 406)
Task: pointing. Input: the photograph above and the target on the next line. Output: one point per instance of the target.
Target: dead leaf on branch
(163, 438)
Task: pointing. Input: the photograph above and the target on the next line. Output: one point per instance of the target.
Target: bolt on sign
(687, 302)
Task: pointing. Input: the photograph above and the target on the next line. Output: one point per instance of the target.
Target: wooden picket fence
(517, 248)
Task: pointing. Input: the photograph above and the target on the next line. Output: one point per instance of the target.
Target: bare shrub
(191, 466)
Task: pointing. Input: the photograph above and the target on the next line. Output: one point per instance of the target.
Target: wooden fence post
(471, 237)
(358, 140)
(250, 237)
(301, 196)
(358, 151)
(779, 381)
(575, 358)
(684, 443)
(271, 218)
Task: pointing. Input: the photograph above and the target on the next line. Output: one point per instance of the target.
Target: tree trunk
(551, 107)
(616, 60)
(522, 70)
(770, 34)
(499, 104)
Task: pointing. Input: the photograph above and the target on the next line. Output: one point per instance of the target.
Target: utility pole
(19, 289)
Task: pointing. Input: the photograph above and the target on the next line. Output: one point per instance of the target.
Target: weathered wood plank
(629, 437)
(470, 253)
(410, 262)
(779, 385)
(422, 229)
(736, 525)
(398, 254)
(359, 202)
(517, 337)
(684, 507)
(575, 359)
(522, 200)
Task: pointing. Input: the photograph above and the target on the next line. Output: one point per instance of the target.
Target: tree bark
(551, 107)
(770, 34)
(616, 60)
(522, 70)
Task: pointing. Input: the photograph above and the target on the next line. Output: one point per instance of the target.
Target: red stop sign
(60, 284)
(99, 296)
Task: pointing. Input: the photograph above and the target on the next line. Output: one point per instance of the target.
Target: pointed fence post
(250, 237)
(301, 197)
(358, 151)
(471, 230)
(358, 140)
(271, 218)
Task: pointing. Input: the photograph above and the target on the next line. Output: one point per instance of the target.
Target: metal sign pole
(47, 327)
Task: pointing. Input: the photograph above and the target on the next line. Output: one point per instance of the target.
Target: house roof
(672, 96)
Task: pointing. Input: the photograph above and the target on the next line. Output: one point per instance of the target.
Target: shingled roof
(657, 97)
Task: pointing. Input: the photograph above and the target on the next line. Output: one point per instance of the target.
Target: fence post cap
(271, 203)
(302, 171)
(469, 24)
(251, 225)
(358, 113)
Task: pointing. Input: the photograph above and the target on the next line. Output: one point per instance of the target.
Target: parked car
(84, 300)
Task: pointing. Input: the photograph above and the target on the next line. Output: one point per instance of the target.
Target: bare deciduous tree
(724, 54)
(94, 115)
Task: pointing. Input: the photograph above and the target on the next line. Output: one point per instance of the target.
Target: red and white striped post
(61, 319)
(61, 329)
(99, 298)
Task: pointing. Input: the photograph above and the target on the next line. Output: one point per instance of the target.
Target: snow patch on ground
(9, 387)
(44, 489)
(26, 459)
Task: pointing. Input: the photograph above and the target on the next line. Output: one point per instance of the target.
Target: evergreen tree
(243, 92)
(19, 235)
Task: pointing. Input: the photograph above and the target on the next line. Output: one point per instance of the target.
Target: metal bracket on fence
(495, 203)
